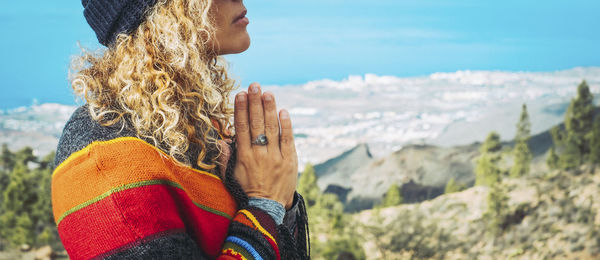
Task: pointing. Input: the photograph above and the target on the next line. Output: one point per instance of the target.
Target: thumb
(223, 157)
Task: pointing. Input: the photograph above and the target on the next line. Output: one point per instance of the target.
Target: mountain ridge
(422, 170)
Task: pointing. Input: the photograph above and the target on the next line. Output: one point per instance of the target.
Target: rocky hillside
(555, 215)
(360, 180)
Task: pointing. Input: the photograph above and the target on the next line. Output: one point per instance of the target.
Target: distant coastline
(385, 112)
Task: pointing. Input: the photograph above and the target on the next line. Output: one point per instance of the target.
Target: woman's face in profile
(230, 21)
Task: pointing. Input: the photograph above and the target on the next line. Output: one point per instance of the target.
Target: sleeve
(271, 207)
(119, 200)
(252, 235)
(286, 234)
(147, 222)
(278, 213)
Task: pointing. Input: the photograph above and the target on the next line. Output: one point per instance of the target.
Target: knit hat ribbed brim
(108, 18)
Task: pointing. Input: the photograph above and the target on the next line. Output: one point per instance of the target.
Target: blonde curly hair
(165, 78)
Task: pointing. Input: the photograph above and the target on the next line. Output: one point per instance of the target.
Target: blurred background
(424, 129)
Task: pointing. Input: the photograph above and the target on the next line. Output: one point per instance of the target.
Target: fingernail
(241, 97)
(254, 89)
(285, 114)
(268, 97)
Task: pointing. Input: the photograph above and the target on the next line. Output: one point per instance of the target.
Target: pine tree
(524, 125)
(26, 208)
(579, 118)
(328, 218)
(42, 178)
(329, 206)
(16, 193)
(7, 159)
(18, 200)
(23, 232)
(8, 220)
(41, 213)
(558, 136)
(552, 160)
(492, 143)
(393, 196)
(4, 180)
(487, 171)
(46, 237)
(574, 142)
(6, 165)
(523, 157)
(522, 154)
(453, 186)
(559, 141)
(307, 185)
(25, 156)
(48, 161)
(496, 210)
(571, 157)
(595, 142)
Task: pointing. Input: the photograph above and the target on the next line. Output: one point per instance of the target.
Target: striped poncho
(117, 196)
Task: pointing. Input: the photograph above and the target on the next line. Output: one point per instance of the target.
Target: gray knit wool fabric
(273, 208)
(108, 18)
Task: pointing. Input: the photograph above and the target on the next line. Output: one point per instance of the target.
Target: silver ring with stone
(261, 140)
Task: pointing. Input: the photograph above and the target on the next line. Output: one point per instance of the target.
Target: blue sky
(298, 41)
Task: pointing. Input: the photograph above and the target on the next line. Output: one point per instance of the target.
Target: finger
(240, 119)
(286, 141)
(271, 123)
(256, 113)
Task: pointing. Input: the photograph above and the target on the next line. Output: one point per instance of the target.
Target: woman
(144, 168)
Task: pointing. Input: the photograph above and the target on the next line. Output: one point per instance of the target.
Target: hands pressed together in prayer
(264, 170)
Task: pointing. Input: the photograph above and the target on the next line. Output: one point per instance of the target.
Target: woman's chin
(244, 45)
(236, 46)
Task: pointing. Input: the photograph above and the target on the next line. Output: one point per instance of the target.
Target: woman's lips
(242, 19)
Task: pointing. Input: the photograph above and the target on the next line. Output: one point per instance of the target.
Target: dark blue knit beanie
(108, 18)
